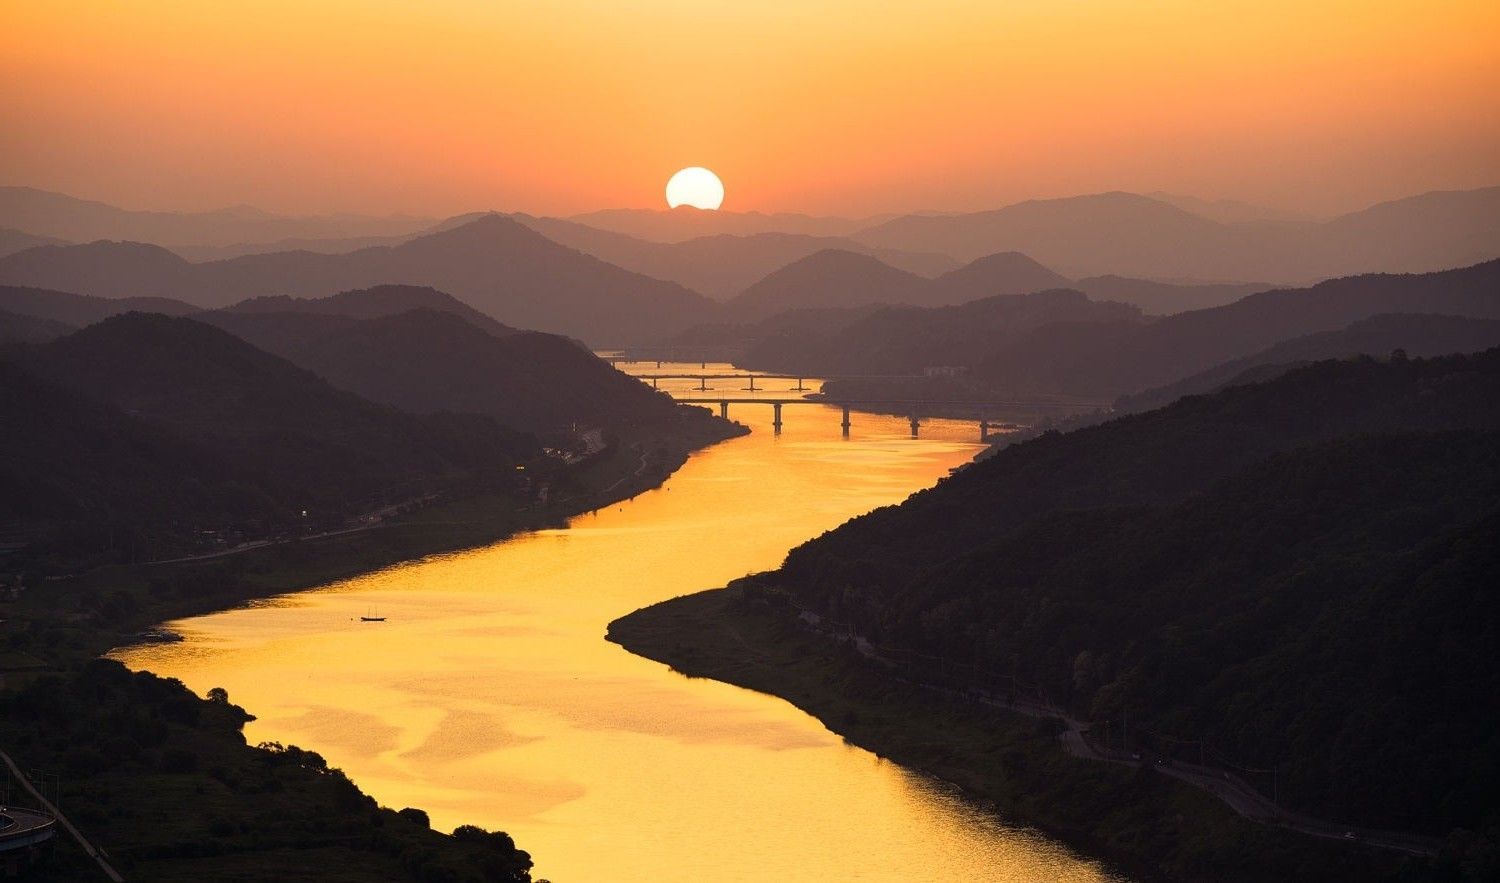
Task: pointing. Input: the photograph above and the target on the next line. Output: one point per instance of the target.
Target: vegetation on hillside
(1295, 574)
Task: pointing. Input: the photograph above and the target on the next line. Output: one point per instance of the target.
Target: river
(489, 695)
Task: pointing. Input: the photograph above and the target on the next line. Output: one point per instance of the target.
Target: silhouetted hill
(1003, 273)
(307, 444)
(374, 303)
(12, 241)
(57, 215)
(425, 361)
(1132, 235)
(722, 265)
(1165, 298)
(1416, 334)
(829, 278)
(493, 263)
(1297, 572)
(837, 278)
(906, 340)
(1094, 360)
(81, 309)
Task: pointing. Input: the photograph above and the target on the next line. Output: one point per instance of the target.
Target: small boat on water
(371, 617)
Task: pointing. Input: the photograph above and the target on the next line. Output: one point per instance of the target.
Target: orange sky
(823, 106)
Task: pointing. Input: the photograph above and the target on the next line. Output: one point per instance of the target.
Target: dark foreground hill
(425, 360)
(1295, 574)
(257, 441)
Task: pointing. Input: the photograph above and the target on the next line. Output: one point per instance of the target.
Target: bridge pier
(915, 424)
(984, 431)
(703, 383)
(845, 423)
(752, 383)
(724, 410)
(776, 417)
(799, 387)
(653, 384)
(658, 364)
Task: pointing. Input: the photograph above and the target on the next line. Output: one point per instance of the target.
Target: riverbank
(164, 781)
(1149, 826)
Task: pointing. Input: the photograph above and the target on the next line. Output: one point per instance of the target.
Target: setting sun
(697, 187)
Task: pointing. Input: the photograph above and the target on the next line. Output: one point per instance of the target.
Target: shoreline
(1139, 823)
(271, 570)
(64, 630)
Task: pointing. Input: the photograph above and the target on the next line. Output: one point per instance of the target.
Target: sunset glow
(828, 107)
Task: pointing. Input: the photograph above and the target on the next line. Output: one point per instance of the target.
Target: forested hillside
(1296, 574)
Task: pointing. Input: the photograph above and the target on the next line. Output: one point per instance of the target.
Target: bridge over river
(916, 409)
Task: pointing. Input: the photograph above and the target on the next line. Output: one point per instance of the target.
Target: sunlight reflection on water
(490, 697)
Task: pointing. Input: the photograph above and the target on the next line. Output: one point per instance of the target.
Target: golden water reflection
(490, 697)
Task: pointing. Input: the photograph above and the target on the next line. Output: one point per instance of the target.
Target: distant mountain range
(610, 287)
(12, 241)
(1416, 334)
(682, 223)
(907, 340)
(54, 215)
(1061, 343)
(78, 310)
(720, 265)
(1228, 211)
(1116, 358)
(836, 279)
(1133, 235)
(493, 263)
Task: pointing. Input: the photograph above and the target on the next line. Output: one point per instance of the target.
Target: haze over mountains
(61, 217)
(720, 265)
(493, 263)
(1132, 235)
(685, 222)
(609, 287)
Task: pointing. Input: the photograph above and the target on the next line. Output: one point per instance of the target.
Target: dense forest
(165, 782)
(1296, 575)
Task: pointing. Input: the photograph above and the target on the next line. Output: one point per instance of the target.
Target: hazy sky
(440, 106)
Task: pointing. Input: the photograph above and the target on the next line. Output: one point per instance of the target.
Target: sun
(697, 187)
